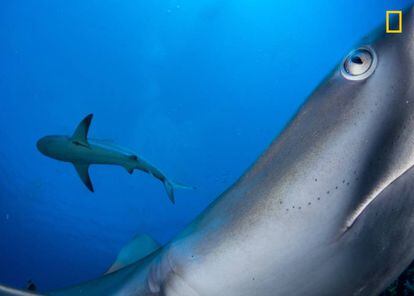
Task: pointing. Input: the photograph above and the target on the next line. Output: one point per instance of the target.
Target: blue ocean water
(198, 88)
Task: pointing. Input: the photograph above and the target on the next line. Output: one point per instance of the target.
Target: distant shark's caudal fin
(170, 186)
(80, 136)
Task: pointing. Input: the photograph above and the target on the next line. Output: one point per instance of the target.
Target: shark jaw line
(163, 270)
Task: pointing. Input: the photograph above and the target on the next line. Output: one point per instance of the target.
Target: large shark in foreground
(82, 153)
(327, 210)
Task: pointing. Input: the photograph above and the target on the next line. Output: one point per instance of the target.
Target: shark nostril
(39, 144)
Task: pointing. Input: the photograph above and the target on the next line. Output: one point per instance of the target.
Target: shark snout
(42, 145)
(49, 144)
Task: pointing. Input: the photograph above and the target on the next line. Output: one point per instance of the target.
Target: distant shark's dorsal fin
(140, 247)
(80, 136)
(83, 172)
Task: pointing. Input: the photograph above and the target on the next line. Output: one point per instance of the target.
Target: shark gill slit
(351, 220)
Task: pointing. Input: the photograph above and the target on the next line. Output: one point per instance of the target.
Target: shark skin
(82, 153)
(326, 210)
(6, 291)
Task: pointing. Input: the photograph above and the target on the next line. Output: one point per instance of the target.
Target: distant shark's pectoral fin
(83, 172)
(80, 136)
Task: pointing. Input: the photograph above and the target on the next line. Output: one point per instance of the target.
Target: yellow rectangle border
(400, 17)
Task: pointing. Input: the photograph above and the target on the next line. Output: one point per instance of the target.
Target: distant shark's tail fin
(170, 186)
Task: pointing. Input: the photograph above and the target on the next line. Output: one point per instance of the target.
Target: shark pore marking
(82, 153)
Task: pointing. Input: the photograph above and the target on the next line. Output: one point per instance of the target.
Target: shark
(83, 152)
(326, 210)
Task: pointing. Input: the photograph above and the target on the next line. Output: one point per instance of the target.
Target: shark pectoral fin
(80, 136)
(83, 172)
(140, 247)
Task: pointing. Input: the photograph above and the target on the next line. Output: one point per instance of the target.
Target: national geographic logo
(394, 22)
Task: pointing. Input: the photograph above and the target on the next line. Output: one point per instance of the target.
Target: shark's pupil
(357, 60)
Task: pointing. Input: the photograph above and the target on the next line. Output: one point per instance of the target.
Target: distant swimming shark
(327, 210)
(82, 153)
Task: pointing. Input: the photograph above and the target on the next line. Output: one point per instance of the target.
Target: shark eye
(359, 64)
